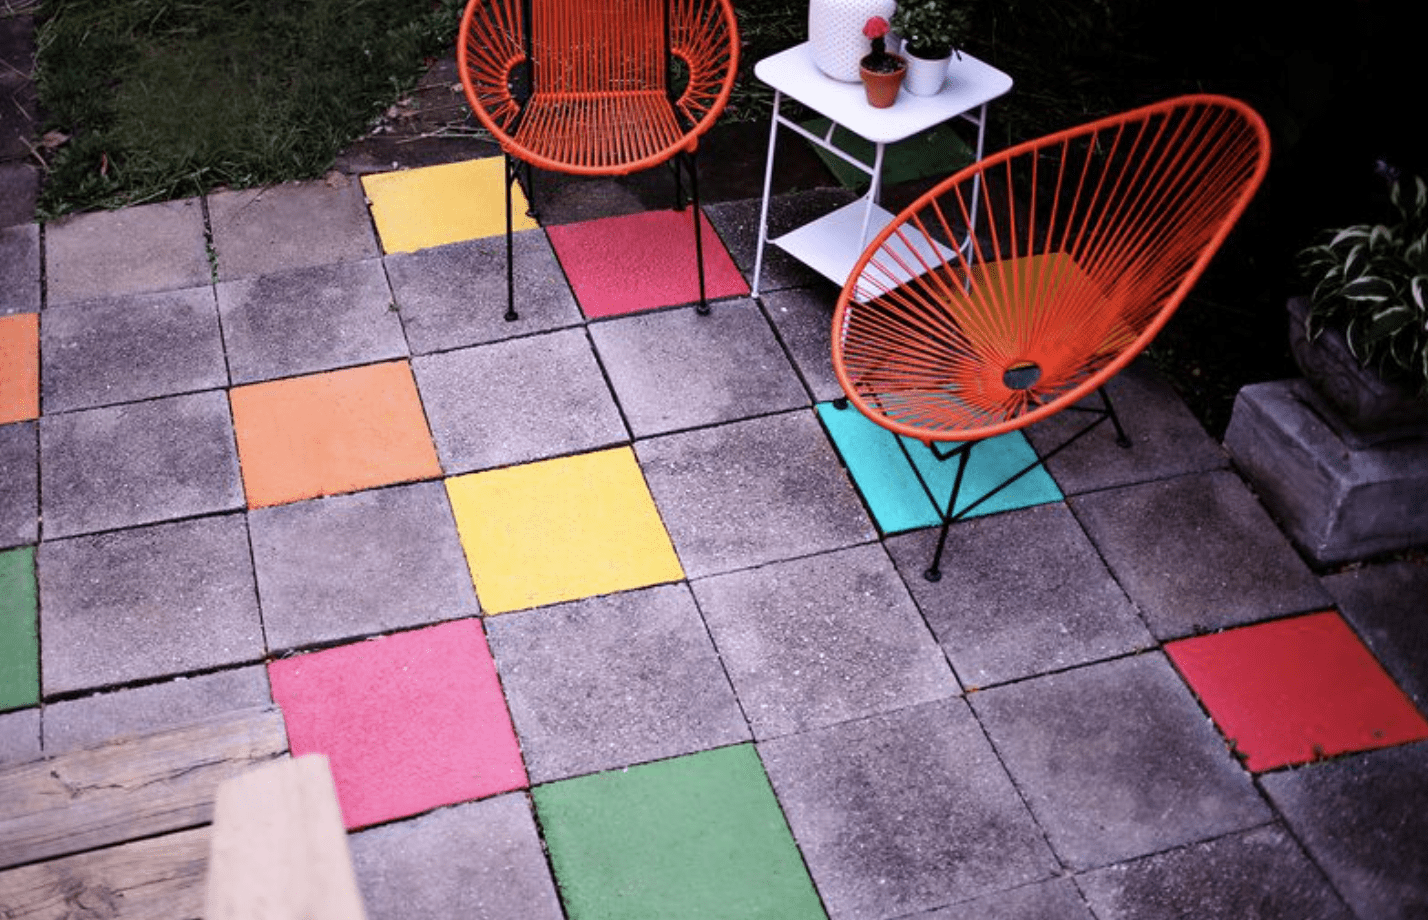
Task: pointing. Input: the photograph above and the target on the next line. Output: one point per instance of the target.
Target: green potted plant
(1361, 336)
(932, 31)
(882, 72)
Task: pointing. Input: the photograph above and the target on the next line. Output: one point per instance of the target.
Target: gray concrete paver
(1117, 760)
(20, 484)
(478, 860)
(1260, 874)
(516, 401)
(359, 564)
(804, 320)
(1362, 820)
(147, 602)
(1386, 603)
(308, 320)
(903, 812)
(297, 224)
(455, 295)
(137, 250)
(1197, 553)
(139, 463)
(126, 349)
(19, 737)
(676, 369)
(825, 639)
(1022, 593)
(751, 492)
(612, 681)
(19, 268)
(738, 225)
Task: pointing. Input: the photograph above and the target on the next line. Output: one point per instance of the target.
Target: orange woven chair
(1084, 244)
(598, 88)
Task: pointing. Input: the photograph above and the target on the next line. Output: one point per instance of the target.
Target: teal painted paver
(696, 836)
(19, 630)
(898, 501)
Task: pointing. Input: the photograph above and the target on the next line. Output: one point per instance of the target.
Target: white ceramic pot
(835, 34)
(925, 77)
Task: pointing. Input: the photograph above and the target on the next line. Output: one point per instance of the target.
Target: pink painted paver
(409, 722)
(1296, 690)
(642, 261)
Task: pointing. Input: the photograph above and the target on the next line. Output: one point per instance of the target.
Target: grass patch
(164, 99)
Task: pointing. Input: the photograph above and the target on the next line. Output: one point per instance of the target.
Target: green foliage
(165, 98)
(1371, 282)
(932, 28)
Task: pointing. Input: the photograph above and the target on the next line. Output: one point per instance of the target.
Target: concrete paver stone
(103, 717)
(1057, 899)
(139, 463)
(1260, 873)
(293, 225)
(1295, 690)
(516, 401)
(1194, 576)
(20, 486)
(695, 836)
(1022, 593)
(751, 492)
(481, 859)
(1117, 760)
(904, 811)
(449, 203)
(642, 261)
(19, 268)
(676, 369)
(19, 630)
(611, 681)
(825, 639)
(330, 433)
(455, 295)
(359, 564)
(19, 737)
(19, 367)
(559, 530)
(19, 188)
(309, 319)
(804, 319)
(1385, 604)
(409, 722)
(1360, 820)
(147, 602)
(738, 224)
(136, 250)
(131, 348)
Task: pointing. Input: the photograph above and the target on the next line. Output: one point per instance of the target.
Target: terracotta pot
(882, 88)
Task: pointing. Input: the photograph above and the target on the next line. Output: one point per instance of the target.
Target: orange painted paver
(330, 433)
(19, 367)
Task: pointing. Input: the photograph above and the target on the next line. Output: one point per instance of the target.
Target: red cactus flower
(876, 27)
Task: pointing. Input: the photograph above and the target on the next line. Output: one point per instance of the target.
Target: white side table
(832, 244)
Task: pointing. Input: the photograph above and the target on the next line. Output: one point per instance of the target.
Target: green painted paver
(695, 836)
(19, 630)
(938, 151)
(890, 487)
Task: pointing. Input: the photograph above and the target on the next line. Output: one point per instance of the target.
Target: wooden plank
(279, 848)
(156, 879)
(131, 788)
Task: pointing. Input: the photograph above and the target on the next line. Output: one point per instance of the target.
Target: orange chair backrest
(1086, 241)
(598, 46)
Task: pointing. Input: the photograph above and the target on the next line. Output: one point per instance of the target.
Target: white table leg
(764, 205)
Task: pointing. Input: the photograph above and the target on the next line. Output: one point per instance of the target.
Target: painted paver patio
(600, 613)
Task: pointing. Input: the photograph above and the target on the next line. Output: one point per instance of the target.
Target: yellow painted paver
(418, 208)
(560, 530)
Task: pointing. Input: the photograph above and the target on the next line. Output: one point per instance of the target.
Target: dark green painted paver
(890, 487)
(938, 151)
(696, 836)
(19, 630)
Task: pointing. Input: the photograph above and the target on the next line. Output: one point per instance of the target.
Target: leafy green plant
(1371, 282)
(932, 28)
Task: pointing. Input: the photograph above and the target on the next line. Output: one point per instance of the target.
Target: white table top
(970, 84)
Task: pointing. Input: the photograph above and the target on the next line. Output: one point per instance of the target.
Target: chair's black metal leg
(512, 169)
(677, 164)
(934, 571)
(1121, 439)
(532, 211)
(693, 166)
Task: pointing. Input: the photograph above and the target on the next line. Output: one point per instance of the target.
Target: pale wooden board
(156, 879)
(279, 847)
(131, 788)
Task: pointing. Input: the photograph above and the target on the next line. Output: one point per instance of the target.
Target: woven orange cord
(600, 101)
(1086, 241)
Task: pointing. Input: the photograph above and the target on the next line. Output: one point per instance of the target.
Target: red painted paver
(19, 367)
(1292, 691)
(409, 722)
(642, 261)
(331, 433)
